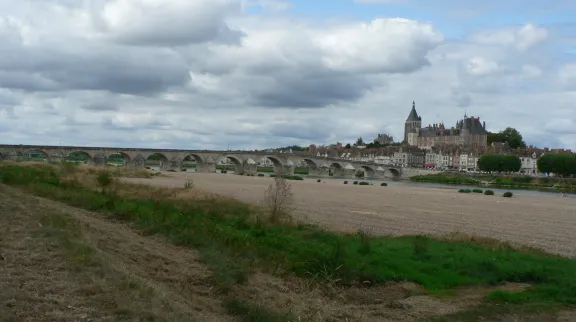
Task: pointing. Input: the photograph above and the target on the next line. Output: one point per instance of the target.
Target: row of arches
(190, 161)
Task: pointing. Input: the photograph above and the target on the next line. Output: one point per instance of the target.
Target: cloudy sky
(208, 74)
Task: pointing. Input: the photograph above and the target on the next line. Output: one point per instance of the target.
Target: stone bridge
(245, 162)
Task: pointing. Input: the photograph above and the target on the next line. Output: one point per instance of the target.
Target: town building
(468, 132)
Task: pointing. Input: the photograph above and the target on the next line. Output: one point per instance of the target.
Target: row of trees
(561, 164)
(499, 163)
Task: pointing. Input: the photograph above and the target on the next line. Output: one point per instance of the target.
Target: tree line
(562, 164)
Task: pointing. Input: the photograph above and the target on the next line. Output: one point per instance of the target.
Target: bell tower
(413, 123)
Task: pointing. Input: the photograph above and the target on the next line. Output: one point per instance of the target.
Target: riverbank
(236, 246)
(549, 184)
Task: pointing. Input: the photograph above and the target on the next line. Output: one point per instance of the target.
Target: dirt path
(547, 222)
(53, 268)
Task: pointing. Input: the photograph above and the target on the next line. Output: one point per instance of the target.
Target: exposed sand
(547, 222)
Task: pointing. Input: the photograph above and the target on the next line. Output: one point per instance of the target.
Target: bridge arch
(236, 162)
(29, 153)
(79, 156)
(278, 165)
(394, 173)
(336, 169)
(119, 155)
(311, 164)
(369, 172)
(157, 157)
(192, 161)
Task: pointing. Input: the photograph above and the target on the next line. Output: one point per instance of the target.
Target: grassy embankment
(235, 237)
(511, 182)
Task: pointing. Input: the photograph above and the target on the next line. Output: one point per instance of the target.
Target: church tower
(413, 122)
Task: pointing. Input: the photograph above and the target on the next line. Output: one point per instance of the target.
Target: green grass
(251, 312)
(446, 178)
(297, 170)
(232, 241)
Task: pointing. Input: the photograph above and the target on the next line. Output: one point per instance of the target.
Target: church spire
(413, 116)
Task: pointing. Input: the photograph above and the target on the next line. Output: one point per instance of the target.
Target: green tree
(499, 163)
(562, 164)
(509, 135)
(359, 141)
(348, 146)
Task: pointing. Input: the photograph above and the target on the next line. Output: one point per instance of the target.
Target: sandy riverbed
(548, 222)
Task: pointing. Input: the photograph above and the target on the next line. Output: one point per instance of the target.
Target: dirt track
(547, 222)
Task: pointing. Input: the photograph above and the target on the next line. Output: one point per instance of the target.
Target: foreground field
(234, 262)
(542, 221)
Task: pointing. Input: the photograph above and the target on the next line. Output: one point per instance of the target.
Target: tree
(499, 163)
(510, 136)
(348, 146)
(563, 164)
(359, 142)
(279, 199)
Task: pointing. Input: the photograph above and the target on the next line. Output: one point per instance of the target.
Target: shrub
(507, 194)
(293, 177)
(104, 179)
(223, 171)
(279, 199)
(464, 190)
(189, 184)
(489, 192)
(260, 174)
(345, 182)
(272, 176)
(363, 183)
(318, 180)
(383, 184)
(477, 190)
(355, 182)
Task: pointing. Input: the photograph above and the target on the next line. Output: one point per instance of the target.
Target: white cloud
(205, 74)
(522, 38)
(479, 66)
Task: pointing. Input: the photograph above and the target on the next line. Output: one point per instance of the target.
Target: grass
(252, 312)
(446, 178)
(227, 230)
(297, 170)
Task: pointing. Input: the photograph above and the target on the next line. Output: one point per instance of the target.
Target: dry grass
(60, 263)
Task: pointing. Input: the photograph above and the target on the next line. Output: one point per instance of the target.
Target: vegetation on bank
(510, 182)
(446, 178)
(562, 164)
(235, 237)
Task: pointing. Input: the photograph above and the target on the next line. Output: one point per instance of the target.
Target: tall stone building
(469, 132)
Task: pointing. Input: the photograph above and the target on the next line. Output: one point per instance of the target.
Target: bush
(318, 180)
(293, 177)
(223, 171)
(260, 174)
(464, 190)
(507, 194)
(345, 182)
(189, 184)
(383, 184)
(355, 182)
(489, 192)
(363, 183)
(477, 190)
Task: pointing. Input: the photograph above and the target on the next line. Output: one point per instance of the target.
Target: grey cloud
(101, 106)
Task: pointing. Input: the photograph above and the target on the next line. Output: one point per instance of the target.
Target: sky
(253, 74)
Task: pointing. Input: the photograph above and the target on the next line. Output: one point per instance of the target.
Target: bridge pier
(288, 170)
(174, 165)
(206, 167)
(249, 168)
(319, 172)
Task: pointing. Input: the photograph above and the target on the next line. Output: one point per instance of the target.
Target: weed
(420, 245)
(189, 184)
(279, 199)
